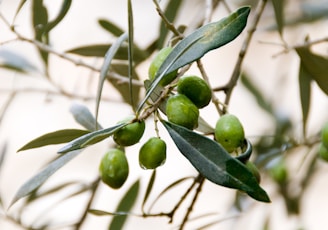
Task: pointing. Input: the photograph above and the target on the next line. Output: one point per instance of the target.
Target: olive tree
(189, 114)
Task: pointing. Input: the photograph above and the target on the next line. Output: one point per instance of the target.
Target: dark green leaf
(63, 11)
(214, 163)
(148, 190)
(305, 94)
(90, 138)
(170, 13)
(53, 138)
(125, 205)
(38, 179)
(130, 53)
(111, 27)
(315, 66)
(278, 6)
(197, 44)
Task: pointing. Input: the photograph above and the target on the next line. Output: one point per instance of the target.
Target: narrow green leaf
(130, 51)
(315, 66)
(278, 6)
(84, 117)
(171, 11)
(38, 179)
(20, 6)
(197, 44)
(148, 190)
(305, 94)
(97, 212)
(111, 27)
(90, 138)
(62, 13)
(105, 67)
(125, 205)
(53, 138)
(214, 163)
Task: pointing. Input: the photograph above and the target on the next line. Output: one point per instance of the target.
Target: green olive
(323, 152)
(156, 64)
(254, 170)
(279, 172)
(324, 135)
(152, 154)
(181, 111)
(196, 89)
(114, 168)
(129, 134)
(229, 132)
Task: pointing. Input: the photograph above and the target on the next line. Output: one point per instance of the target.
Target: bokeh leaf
(315, 66)
(148, 190)
(111, 27)
(214, 163)
(125, 205)
(62, 13)
(90, 138)
(53, 138)
(305, 94)
(278, 6)
(198, 43)
(38, 179)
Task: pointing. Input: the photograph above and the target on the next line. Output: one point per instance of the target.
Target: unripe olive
(181, 111)
(324, 135)
(152, 154)
(229, 132)
(252, 167)
(323, 152)
(279, 172)
(196, 89)
(114, 168)
(156, 64)
(129, 134)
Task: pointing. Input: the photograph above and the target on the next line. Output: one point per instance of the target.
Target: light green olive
(129, 134)
(152, 154)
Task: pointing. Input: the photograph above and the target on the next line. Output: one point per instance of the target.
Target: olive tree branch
(237, 70)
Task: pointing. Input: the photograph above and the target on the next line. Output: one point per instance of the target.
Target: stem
(236, 72)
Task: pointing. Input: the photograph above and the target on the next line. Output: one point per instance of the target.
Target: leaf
(111, 27)
(20, 6)
(38, 179)
(305, 94)
(84, 117)
(197, 44)
(90, 138)
(125, 205)
(148, 190)
(63, 11)
(53, 138)
(214, 163)
(14, 61)
(315, 66)
(278, 6)
(105, 67)
(130, 52)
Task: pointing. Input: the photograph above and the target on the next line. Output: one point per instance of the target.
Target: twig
(236, 72)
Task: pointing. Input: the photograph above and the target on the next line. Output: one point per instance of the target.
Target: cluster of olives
(323, 147)
(114, 167)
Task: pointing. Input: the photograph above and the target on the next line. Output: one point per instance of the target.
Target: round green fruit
(323, 152)
(254, 170)
(196, 89)
(156, 64)
(181, 111)
(229, 132)
(129, 134)
(152, 154)
(279, 172)
(324, 135)
(114, 168)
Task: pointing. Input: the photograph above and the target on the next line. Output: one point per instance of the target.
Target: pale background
(32, 114)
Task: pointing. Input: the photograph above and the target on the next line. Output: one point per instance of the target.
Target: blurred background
(38, 101)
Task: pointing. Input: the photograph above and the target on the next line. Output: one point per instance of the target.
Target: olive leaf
(111, 27)
(53, 138)
(197, 44)
(214, 163)
(278, 6)
(315, 66)
(90, 138)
